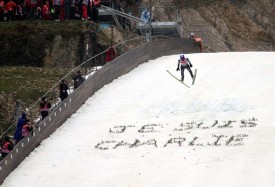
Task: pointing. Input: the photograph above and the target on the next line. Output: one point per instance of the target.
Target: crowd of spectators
(23, 128)
(24, 125)
(49, 9)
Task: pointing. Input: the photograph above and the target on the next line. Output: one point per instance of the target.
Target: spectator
(27, 8)
(38, 14)
(110, 54)
(56, 4)
(121, 19)
(145, 15)
(10, 9)
(197, 41)
(95, 4)
(78, 79)
(27, 128)
(7, 147)
(72, 9)
(18, 132)
(62, 10)
(67, 8)
(2, 10)
(77, 11)
(45, 105)
(19, 12)
(46, 11)
(85, 9)
(33, 9)
(63, 87)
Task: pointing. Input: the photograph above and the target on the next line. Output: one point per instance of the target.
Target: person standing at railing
(67, 8)
(145, 15)
(72, 9)
(2, 9)
(18, 132)
(78, 79)
(7, 147)
(197, 41)
(95, 5)
(46, 11)
(63, 87)
(85, 9)
(56, 4)
(44, 108)
(110, 54)
(27, 8)
(33, 9)
(10, 9)
(62, 14)
(27, 128)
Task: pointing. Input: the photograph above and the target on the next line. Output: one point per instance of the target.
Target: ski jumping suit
(184, 64)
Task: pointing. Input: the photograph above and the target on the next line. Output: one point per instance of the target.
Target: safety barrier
(112, 70)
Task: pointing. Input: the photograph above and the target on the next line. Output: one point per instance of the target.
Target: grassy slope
(24, 40)
(26, 84)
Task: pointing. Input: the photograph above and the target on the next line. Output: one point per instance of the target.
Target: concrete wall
(120, 66)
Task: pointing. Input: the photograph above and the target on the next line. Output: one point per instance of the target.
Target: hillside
(146, 129)
(239, 25)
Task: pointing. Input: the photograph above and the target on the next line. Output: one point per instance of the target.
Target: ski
(177, 78)
(194, 78)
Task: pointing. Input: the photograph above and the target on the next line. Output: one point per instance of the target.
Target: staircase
(107, 14)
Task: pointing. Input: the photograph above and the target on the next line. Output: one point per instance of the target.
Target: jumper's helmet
(182, 57)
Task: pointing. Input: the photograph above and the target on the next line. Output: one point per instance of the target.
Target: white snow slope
(148, 129)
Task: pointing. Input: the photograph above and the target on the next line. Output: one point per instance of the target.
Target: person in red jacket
(7, 147)
(46, 11)
(85, 9)
(197, 41)
(110, 54)
(62, 10)
(10, 8)
(27, 128)
(44, 108)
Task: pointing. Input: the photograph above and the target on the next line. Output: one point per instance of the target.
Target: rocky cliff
(237, 24)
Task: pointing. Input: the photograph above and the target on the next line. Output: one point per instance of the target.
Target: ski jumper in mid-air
(184, 63)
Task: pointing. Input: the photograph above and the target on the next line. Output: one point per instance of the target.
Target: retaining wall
(119, 66)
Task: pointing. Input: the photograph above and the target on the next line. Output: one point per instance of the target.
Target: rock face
(40, 49)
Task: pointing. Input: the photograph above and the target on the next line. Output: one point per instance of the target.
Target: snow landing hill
(147, 129)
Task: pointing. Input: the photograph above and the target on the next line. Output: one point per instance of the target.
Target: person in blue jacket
(18, 132)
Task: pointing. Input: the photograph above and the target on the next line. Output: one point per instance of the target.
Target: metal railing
(161, 20)
(88, 67)
(118, 15)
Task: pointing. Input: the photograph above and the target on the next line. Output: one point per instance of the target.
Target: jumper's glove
(178, 69)
(189, 62)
